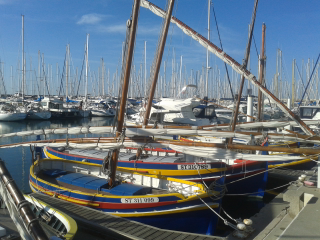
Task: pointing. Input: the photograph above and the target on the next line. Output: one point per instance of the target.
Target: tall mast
(44, 79)
(11, 70)
(261, 73)
(57, 75)
(207, 75)
(87, 55)
(180, 73)
(23, 62)
(165, 78)
(293, 79)
(39, 73)
(245, 62)
(280, 74)
(145, 68)
(172, 74)
(158, 61)
(67, 70)
(132, 24)
(102, 77)
(30, 76)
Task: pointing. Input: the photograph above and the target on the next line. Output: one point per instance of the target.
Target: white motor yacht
(36, 111)
(10, 113)
(55, 106)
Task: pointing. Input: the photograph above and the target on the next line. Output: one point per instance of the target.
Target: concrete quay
(293, 214)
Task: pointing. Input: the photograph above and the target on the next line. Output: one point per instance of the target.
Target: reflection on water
(18, 159)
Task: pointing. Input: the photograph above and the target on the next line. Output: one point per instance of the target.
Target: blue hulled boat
(169, 163)
(152, 199)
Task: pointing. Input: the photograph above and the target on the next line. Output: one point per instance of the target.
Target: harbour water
(18, 159)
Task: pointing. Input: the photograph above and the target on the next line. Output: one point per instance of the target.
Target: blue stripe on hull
(105, 200)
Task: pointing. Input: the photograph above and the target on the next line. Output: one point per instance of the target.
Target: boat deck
(124, 156)
(116, 227)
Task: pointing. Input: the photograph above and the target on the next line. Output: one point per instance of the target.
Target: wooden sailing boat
(153, 199)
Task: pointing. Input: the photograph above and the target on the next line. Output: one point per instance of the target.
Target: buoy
(303, 176)
(241, 226)
(247, 222)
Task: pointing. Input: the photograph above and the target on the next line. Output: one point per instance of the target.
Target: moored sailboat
(147, 198)
(153, 199)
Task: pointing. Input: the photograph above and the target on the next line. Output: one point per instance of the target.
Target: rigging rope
(214, 13)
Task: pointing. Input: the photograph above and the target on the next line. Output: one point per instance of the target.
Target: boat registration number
(193, 166)
(140, 200)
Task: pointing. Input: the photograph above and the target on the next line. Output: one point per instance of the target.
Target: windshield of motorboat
(308, 112)
(187, 91)
(158, 107)
(112, 104)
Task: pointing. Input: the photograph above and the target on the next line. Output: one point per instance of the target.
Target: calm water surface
(18, 159)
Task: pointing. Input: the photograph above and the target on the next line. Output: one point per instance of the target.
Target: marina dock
(116, 227)
(293, 214)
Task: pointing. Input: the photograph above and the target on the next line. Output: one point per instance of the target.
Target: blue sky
(292, 25)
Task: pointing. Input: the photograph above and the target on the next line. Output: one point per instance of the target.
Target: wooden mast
(244, 65)
(132, 24)
(158, 62)
(261, 73)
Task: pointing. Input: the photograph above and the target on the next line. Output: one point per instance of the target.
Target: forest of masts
(50, 80)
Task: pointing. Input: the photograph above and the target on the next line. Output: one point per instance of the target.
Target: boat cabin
(310, 112)
(204, 111)
(52, 103)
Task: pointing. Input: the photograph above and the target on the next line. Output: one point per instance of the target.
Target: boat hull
(39, 115)
(10, 117)
(164, 206)
(102, 113)
(65, 114)
(242, 177)
(60, 219)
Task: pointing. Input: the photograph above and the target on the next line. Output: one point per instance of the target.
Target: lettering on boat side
(140, 200)
(193, 166)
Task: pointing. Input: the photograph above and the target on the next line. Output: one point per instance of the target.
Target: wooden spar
(261, 73)
(158, 60)
(211, 145)
(230, 61)
(244, 66)
(149, 139)
(22, 205)
(308, 151)
(133, 26)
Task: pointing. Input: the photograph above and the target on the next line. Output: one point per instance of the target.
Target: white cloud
(92, 18)
(4, 2)
(119, 28)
